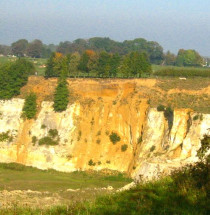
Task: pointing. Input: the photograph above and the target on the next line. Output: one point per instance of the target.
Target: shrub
(114, 138)
(160, 108)
(43, 126)
(196, 117)
(139, 140)
(152, 148)
(98, 141)
(53, 133)
(29, 108)
(124, 147)
(108, 161)
(4, 136)
(48, 141)
(34, 139)
(91, 163)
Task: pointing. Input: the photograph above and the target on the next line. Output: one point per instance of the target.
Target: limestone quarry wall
(153, 146)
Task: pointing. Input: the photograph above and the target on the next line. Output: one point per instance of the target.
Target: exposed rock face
(155, 143)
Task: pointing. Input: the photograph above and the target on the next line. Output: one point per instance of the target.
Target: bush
(34, 139)
(114, 137)
(29, 108)
(160, 108)
(196, 117)
(48, 141)
(4, 136)
(124, 147)
(43, 126)
(152, 148)
(91, 163)
(53, 133)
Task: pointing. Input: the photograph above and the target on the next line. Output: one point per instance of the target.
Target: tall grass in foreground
(185, 192)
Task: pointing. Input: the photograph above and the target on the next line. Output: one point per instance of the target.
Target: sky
(174, 24)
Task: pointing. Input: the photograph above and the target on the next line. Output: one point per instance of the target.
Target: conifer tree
(29, 108)
(61, 96)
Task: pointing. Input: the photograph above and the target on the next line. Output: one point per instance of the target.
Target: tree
(61, 96)
(74, 62)
(29, 108)
(170, 59)
(13, 76)
(189, 58)
(19, 47)
(135, 64)
(35, 49)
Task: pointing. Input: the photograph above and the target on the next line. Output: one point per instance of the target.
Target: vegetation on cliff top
(13, 76)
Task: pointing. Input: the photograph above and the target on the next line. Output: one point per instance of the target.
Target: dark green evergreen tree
(61, 96)
(30, 108)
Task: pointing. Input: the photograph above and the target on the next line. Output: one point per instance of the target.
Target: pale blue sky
(174, 24)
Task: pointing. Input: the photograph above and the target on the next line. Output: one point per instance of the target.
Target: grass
(18, 177)
(154, 198)
(38, 62)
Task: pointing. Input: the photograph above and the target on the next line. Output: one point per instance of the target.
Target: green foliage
(61, 96)
(152, 149)
(160, 108)
(188, 58)
(48, 141)
(53, 133)
(139, 140)
(34, 139)
(43, 126)
(29, 108)
(124, 147)
(13, 76)
(4, 136)
(91, 163)
(169, 115)
(205, 146)
(114, 137)
(196, 117)
(135, 64)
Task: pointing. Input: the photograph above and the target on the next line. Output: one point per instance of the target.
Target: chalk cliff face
(156, 144)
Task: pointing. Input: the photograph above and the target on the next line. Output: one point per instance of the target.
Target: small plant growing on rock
(114, 137)
(160, 108)
(196, 117)
(34, 139)
(91, 163)
(152, 148)
(53, 133)
(98, 141)
(139, 140)
(4, 136)
(124, 147)
(48, 141)
(43, 126)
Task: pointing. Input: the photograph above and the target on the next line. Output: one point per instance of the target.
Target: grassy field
(19, 177)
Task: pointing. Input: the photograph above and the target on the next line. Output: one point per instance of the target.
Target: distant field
(156, 68)
(38, 63)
